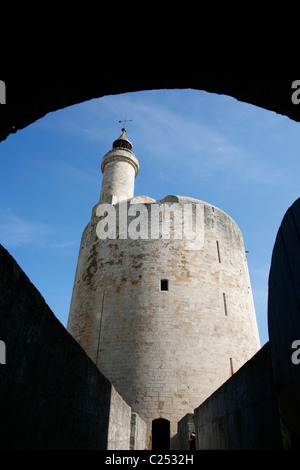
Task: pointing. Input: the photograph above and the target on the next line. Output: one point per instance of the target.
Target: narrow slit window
(164, 284)
(218, 251)
(225, 305)
(231, 366)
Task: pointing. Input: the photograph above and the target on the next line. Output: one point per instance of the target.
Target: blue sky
(240, 158)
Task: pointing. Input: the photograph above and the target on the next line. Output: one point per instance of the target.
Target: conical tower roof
(122, 141)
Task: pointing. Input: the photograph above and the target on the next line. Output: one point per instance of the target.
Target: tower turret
(119, 167)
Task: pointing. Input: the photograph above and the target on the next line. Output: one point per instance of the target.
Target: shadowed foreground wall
(259, 406)
(52, 396)
(284, 321)
(243, 413)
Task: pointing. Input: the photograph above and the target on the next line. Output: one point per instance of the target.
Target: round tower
(166, 317)
(119, 167)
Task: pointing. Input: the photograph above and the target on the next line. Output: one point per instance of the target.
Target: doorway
(160, 434)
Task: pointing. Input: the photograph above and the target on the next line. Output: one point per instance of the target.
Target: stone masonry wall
(120, 168)
(243, 413)
(119, 423)
(165, 352)
(52, 396)
(138, 433)
(185, 427)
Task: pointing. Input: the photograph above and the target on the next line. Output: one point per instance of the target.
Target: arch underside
(41, 80)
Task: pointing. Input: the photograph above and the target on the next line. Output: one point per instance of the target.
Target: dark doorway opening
(160, 434)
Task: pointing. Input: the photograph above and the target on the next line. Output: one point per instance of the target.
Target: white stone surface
(165, 352)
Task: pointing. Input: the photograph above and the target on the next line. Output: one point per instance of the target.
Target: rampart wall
(52, 396)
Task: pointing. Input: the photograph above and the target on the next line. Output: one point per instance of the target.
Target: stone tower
(119, 167)
(162, 300)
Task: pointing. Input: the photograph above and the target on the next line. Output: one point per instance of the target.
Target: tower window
(225, 304)
(218, 251)
(231, 366)
(164, 284)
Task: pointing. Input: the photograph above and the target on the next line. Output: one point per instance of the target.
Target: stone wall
(259, 406)
(138, 433)
(243, 413)
(119, 423)
(185, 427)
(119, 167)
(52, 396)
(284, 322)
(165, 351)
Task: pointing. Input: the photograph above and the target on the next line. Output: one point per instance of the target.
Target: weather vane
(126, 120)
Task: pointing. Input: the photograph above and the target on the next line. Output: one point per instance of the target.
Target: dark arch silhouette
(160, 434)
(250, 68)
